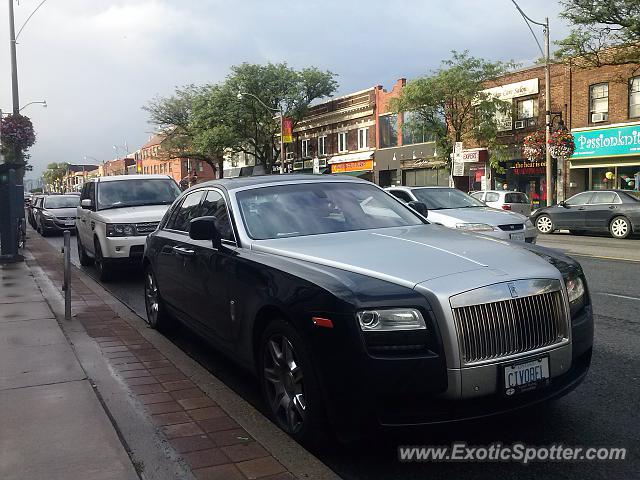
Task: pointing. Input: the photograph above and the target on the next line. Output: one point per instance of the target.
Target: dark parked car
(355, 312)
(32, 208)
(56, 213)
(613, 211)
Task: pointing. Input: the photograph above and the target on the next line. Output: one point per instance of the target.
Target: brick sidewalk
(209, 440)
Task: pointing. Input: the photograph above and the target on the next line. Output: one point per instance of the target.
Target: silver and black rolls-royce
(355, 312)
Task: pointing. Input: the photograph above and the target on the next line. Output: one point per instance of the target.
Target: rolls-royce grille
(499, 329)
(146, 228)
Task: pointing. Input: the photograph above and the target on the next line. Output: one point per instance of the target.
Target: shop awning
(351, 157)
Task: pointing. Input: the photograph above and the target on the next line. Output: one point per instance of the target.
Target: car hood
(411, 255)
(62, 212)
(146, 213)
(488, 215)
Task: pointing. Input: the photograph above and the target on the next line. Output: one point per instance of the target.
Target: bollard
(66, 285)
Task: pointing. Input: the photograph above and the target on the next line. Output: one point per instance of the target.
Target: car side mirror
(204, 228)
(87, 204)
(419, 207)
(563, 204)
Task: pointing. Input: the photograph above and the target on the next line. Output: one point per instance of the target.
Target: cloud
(98, 62)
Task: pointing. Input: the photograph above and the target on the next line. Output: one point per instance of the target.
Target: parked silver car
(455, 209)
(505, 200)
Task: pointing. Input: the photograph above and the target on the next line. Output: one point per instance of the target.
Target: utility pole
(14, 61)
(547, 104)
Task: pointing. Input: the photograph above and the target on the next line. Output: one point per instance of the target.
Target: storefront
(357, 164)
(526, 176)
(410, 165)
(605, 158)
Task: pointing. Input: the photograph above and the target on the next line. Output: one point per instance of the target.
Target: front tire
(157, 316)
(102, 267)
(289, 385)
(544, 224)
(85, 260)
(620, 227)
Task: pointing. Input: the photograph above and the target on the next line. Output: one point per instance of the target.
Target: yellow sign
(352, 166)
(287, 130)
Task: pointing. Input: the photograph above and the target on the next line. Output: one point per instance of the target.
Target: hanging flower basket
(534, 146)
(561, 144)
(17, 132)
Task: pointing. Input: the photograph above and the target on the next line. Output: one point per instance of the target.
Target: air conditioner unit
(519, 124)
(598, 117)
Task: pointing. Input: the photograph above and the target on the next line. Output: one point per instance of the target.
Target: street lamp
(279, 111)
(42, 102)
(547, 92)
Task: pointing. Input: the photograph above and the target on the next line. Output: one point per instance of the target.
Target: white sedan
(453, 208)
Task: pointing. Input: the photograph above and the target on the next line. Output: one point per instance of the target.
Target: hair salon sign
(607, 142)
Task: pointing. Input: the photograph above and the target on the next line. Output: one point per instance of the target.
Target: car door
(175, 264)
(518, 202)
(571, 214)
(602, 207)
(214, 269)
(492, 199)
(83, 223)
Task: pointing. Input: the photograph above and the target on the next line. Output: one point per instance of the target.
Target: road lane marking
(601, 257)
(618, 296)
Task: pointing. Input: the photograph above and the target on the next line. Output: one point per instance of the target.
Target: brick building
(152, 158)
(338, 135)
(118, 166)
(600, 106)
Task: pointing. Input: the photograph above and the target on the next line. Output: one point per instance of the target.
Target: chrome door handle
(185, 252)
(612, 207)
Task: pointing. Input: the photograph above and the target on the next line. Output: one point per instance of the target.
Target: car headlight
(385, 320)
(121, 230)
(576, 294)
(475, 227)
(46, 214)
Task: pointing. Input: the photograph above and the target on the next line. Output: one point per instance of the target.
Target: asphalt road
(602, 412)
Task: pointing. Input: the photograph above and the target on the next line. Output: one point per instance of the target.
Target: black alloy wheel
(157, 316)
(289, 385)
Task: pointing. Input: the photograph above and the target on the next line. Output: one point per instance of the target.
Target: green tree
(450, 104)
(54, 173)
(605, 32)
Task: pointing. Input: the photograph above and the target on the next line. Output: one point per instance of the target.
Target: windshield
(316, 208)
(134, 193)
(62, 202)
(443, 198)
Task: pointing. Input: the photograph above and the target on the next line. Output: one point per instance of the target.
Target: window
(304, 148)
(516, 198)
(445, 198)
(215, 206)
(404, 196)
(200, 166)
(492, 197)
(599, 102)
(388, 125)
(604, 197)
(579, 199)
(322, 146)
(526, 112)
(634, 97)
(363, 141)
(342, 142)
(413, 129)
(477, 195)
(187, 211)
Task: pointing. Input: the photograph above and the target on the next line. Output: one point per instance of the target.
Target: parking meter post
(67, 275)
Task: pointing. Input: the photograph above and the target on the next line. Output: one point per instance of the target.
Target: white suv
(115, 216)
(505, 200)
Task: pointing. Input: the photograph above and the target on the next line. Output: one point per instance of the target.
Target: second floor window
(634, 97)
(599, 102)
(322, 146)
(305, 148)
(342, 142)
(363, 133)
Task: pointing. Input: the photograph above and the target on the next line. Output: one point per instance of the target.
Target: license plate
(517, 236)
(70, 222)
(527, 376)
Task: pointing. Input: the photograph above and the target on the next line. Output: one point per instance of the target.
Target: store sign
(352, 166)
(458, 169)
(287, 130)
(528, 168)
(474, 156)
(607, 142)
(513, 90)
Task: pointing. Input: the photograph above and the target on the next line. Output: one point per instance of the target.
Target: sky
(97, 62)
